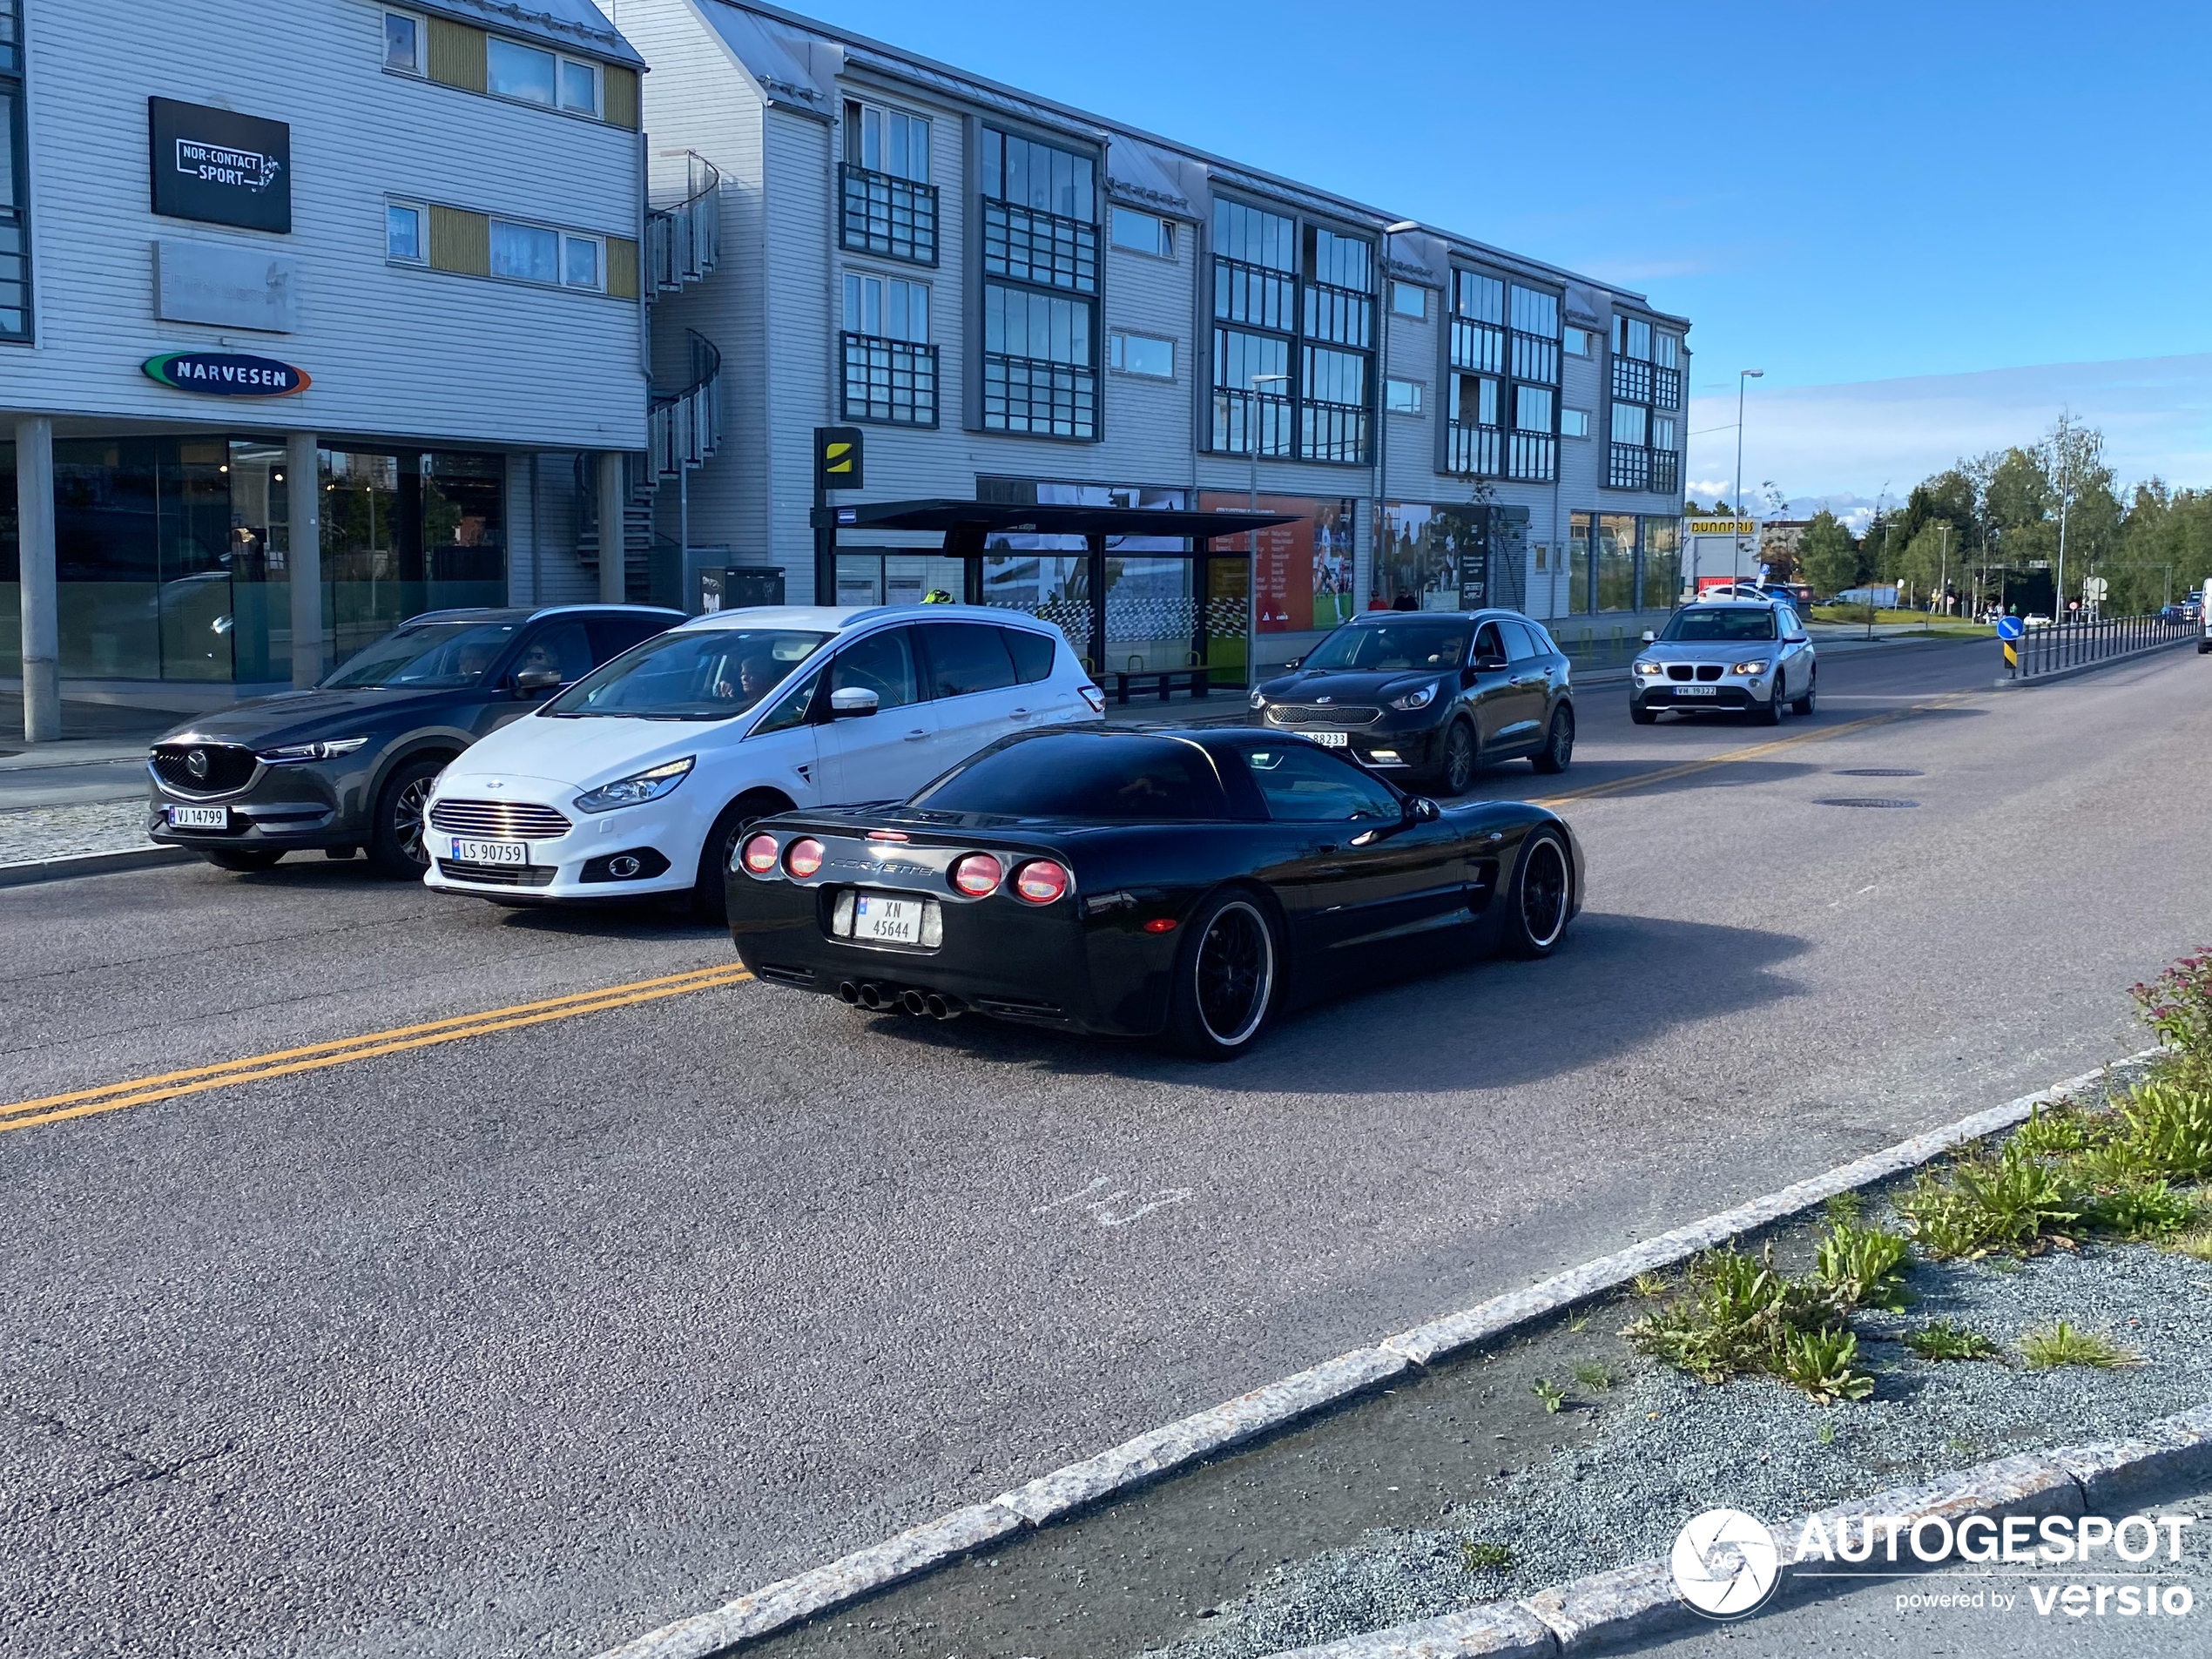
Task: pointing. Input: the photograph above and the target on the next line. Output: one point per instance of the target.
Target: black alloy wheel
(1456, 770)
(243, 859)
(1558, 752)
(1542, 897)
(1802, 707)
(396, 844)
(1224, 986)
(1641, 715)
(1769, 712)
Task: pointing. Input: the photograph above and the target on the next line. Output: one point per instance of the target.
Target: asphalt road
(528, 1342)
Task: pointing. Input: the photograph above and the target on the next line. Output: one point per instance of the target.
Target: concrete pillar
(41, 600)
(614, 492)
(303, 486)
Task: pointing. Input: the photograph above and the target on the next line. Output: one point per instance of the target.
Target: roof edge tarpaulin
(1011, 518)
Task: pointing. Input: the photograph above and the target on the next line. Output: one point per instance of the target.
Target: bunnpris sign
(226, 374)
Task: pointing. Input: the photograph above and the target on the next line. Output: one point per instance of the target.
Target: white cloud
(1857, 439)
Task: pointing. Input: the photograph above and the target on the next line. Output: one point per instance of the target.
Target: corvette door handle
(1329, 869)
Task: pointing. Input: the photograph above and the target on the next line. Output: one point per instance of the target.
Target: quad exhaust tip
(888, 998)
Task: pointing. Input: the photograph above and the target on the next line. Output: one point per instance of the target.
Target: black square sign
(219, 166)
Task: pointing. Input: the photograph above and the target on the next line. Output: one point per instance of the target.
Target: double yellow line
(1644, 779)
(317, 1056)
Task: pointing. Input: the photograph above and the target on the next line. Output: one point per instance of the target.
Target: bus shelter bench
(1166, 681)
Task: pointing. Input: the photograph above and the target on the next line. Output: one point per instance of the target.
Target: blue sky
(1834, 193)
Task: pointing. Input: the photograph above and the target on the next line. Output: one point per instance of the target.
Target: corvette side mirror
(1422, 810)
(852, 702)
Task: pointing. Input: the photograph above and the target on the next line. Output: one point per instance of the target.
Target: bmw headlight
(1759, 667)
(1258, 701)
(291, 753)
(1651, 668)
(1419, 698)
(637, 789)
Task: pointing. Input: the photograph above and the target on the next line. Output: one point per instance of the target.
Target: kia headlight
(1419, 698)
(637, 789)
(1759, 667)
(292, 753)
(1650, 668)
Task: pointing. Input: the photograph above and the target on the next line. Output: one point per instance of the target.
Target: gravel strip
(65, 832)
(1665, 1446)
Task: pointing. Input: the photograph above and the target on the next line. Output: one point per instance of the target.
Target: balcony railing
(1474, 451)
(1666, 388)
(1044, 399)
(1666, 472)
(1342, 316)
(1631, 381)
(682, 428)
(1630, 467)
(1257, 294)
(1532, 457)
(1032, 245)
(1535, 358)
(684, 240)
(883, 214)
(1478, 346)
(1236, 409)
(1334, 432)
(891, 380)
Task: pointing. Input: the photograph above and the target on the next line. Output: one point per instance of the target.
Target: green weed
(2143, 1210)
(1943, 1339)
(1486, 1558)
(1591, 1375)
(1650, 1286)
(1550, 1393)
(2196, 1246)
(2169, 1128)
(2009, 1202)
(1844, 1209)
(1825, 1364)
(2060, 1343)
(1862, 1266)
(2047, 1134)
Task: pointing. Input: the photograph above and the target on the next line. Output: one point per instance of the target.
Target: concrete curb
(1604, 1600)
(2006, 683)
(25, 872)
(1629, 1603)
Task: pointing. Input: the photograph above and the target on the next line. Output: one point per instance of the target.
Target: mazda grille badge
(196, 763)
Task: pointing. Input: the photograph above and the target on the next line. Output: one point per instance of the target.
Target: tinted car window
(1489, 642)
(1521, 642)
(964, 658)
(426, 656)
(1033, 654)
(1721, 623)
(689, 674)
(1392, 646)
(883, 664)
(1303, 784)
(1080, 775)
(611, 636)
(560, 645)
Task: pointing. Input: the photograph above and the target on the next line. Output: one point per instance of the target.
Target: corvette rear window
(1072, 775)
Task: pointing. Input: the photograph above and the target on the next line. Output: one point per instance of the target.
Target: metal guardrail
(684, 240)
(2064, 645)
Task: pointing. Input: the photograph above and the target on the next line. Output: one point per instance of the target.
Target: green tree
(1828, 555)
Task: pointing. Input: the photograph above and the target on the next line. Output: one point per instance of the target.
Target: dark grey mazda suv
(347, 765)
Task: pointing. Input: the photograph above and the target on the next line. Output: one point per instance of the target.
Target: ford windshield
(691, 674)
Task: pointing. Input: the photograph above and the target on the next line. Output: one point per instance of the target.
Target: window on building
(1403, 397)
(1662, 432)
(403, 237)
(1477, 322)
(1277, 283)
(1577, 341)
(522, 253)
(403, 43)
(1669, 349)
(534, 75)
(1143, 232)
(890, 307)
(1025, 172)
(581, 262)
(1532, 409)
(886, 141)
(1145, 354)
(1475, 400)
(1631, 423)
(1409, 300)
(1039, 239)
(1037, 368)
(1573, 423)
(1632, 339)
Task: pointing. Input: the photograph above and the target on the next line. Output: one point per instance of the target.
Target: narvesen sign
(226, 374)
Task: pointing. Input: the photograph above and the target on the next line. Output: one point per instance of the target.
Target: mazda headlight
(1651, 668)
(291, 753)
(637, 789)
(1759, 667)
(1258, 701)
(1419, 698)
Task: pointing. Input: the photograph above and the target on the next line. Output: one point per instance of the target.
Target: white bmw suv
(641, 778)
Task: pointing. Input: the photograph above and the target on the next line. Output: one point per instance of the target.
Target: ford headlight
(1759, 667)
(1419, 698)
(1258, 701)
(637, 789)
(291, 753)
(1650, 668)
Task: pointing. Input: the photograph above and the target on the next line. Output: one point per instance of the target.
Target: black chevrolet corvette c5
(1190, 885)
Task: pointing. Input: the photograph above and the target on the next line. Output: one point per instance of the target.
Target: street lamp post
(1737, 482)
(1385, 308)
(1251, 538)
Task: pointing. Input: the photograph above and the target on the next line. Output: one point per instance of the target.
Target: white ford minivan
(640, 777)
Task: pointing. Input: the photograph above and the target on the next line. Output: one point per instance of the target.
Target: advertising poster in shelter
(1301, 570)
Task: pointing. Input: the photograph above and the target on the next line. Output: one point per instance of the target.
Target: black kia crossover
(347, 765)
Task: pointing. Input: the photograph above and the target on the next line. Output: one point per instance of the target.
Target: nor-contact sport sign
(220, 373)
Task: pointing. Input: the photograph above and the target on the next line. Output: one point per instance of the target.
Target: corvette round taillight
(804, 856)
(760, 854)
(978, 876)
(1041, 880)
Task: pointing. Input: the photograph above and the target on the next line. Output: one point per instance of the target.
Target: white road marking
(1159, 1201)
(1093, 1198)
